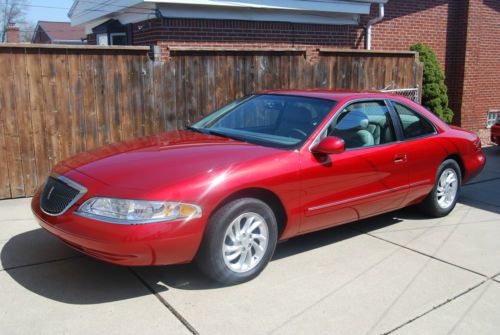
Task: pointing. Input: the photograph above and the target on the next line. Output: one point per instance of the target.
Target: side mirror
(329, 145)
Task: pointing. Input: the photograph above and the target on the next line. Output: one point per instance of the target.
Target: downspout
(368, 36)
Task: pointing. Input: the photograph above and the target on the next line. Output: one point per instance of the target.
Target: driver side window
(364, 124)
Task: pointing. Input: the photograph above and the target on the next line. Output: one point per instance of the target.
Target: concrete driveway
(400, 273)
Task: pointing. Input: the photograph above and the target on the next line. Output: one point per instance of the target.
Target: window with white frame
(102, 39)
(118, 39)
(493, 114)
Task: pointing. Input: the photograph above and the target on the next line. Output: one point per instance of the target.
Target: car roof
(337, 95)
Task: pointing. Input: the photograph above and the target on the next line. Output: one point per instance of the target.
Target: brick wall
(440, 24)
(233, 33)
(91, 39)
(41, 37)
(12, 34)
(482, 63)
(463, 35)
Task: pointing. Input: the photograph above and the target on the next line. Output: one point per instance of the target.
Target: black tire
(210, 258)
(430, 205)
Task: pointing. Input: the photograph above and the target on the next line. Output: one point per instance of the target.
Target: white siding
(310, 11)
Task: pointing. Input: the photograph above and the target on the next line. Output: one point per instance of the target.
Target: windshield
(280, 121)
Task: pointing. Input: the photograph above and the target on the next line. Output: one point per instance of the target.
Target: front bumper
(132, 245)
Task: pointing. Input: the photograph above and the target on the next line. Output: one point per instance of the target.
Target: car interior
(363, 124)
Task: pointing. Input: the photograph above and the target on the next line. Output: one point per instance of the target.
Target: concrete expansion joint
(41, 263)
(447, 301)
(424, 254)
(165, 303)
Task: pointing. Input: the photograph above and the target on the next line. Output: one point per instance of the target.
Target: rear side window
(413, 124)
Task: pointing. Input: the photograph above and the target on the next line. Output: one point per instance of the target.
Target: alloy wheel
(245, 242)
(447, 188)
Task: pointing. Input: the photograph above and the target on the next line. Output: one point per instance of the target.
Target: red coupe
(264, 168)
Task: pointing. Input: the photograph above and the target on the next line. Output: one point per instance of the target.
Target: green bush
(434, 90)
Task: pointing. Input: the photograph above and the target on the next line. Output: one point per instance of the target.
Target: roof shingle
(62, 31)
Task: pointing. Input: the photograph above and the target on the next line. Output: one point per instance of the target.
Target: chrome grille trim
(71, 183)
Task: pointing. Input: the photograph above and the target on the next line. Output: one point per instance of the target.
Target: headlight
(126, 211)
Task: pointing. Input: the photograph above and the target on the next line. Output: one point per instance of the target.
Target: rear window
(413, 124)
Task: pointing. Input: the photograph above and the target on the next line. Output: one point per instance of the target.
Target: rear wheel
(239, 241)
(443, 197)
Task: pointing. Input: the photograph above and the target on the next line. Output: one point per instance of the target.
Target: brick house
(48, 32)
(461, 32)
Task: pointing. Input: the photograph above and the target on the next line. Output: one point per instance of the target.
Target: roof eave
(72, 9)
(35, 32)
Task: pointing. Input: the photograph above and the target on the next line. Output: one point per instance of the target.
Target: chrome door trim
(361, 197)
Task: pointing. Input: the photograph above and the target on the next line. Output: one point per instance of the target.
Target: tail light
(477, 144)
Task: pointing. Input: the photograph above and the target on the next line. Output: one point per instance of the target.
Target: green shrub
(434, 90)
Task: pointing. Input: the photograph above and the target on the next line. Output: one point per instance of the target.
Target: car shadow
(74, 278)
(78, 279)
(47, 267)
(189, 277)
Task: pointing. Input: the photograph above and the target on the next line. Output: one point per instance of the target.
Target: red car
(495, 132)
(264, 168)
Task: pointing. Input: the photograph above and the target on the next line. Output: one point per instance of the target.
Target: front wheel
(239, 241)
(443, 197)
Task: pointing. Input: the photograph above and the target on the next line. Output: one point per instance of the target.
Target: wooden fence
(57, 101)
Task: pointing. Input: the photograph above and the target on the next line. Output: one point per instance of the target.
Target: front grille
(57, 196)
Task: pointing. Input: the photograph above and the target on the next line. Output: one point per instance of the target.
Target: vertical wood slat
(5, 183)
(101, 106)
(126, 117)
(37, 109)
(24, 123)
(11, 126)
(58, 102)
(77, 119)
(89, 100)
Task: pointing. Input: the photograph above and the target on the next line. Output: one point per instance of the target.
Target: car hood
(155, 162)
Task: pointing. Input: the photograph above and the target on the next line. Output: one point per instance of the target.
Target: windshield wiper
(223, 134)
(198, 130)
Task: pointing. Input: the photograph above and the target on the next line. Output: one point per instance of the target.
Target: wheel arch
(457, 158)
(265, 195)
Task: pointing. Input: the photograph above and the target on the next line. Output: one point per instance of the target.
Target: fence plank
(55, 102)
(147, 83)
(75, 97)
(8, 89)
(89, 101)
(22, 105)
(63, 106)
(37, 109)
(4, 171)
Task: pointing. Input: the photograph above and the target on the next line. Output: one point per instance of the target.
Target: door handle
(400, 158)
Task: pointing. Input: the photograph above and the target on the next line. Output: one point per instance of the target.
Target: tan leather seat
(353, 129)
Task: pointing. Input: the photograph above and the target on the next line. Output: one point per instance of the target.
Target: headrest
(353, 120)
(380, 120)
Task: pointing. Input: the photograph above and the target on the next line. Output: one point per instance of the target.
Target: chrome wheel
(245, 242)
(447, 188)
